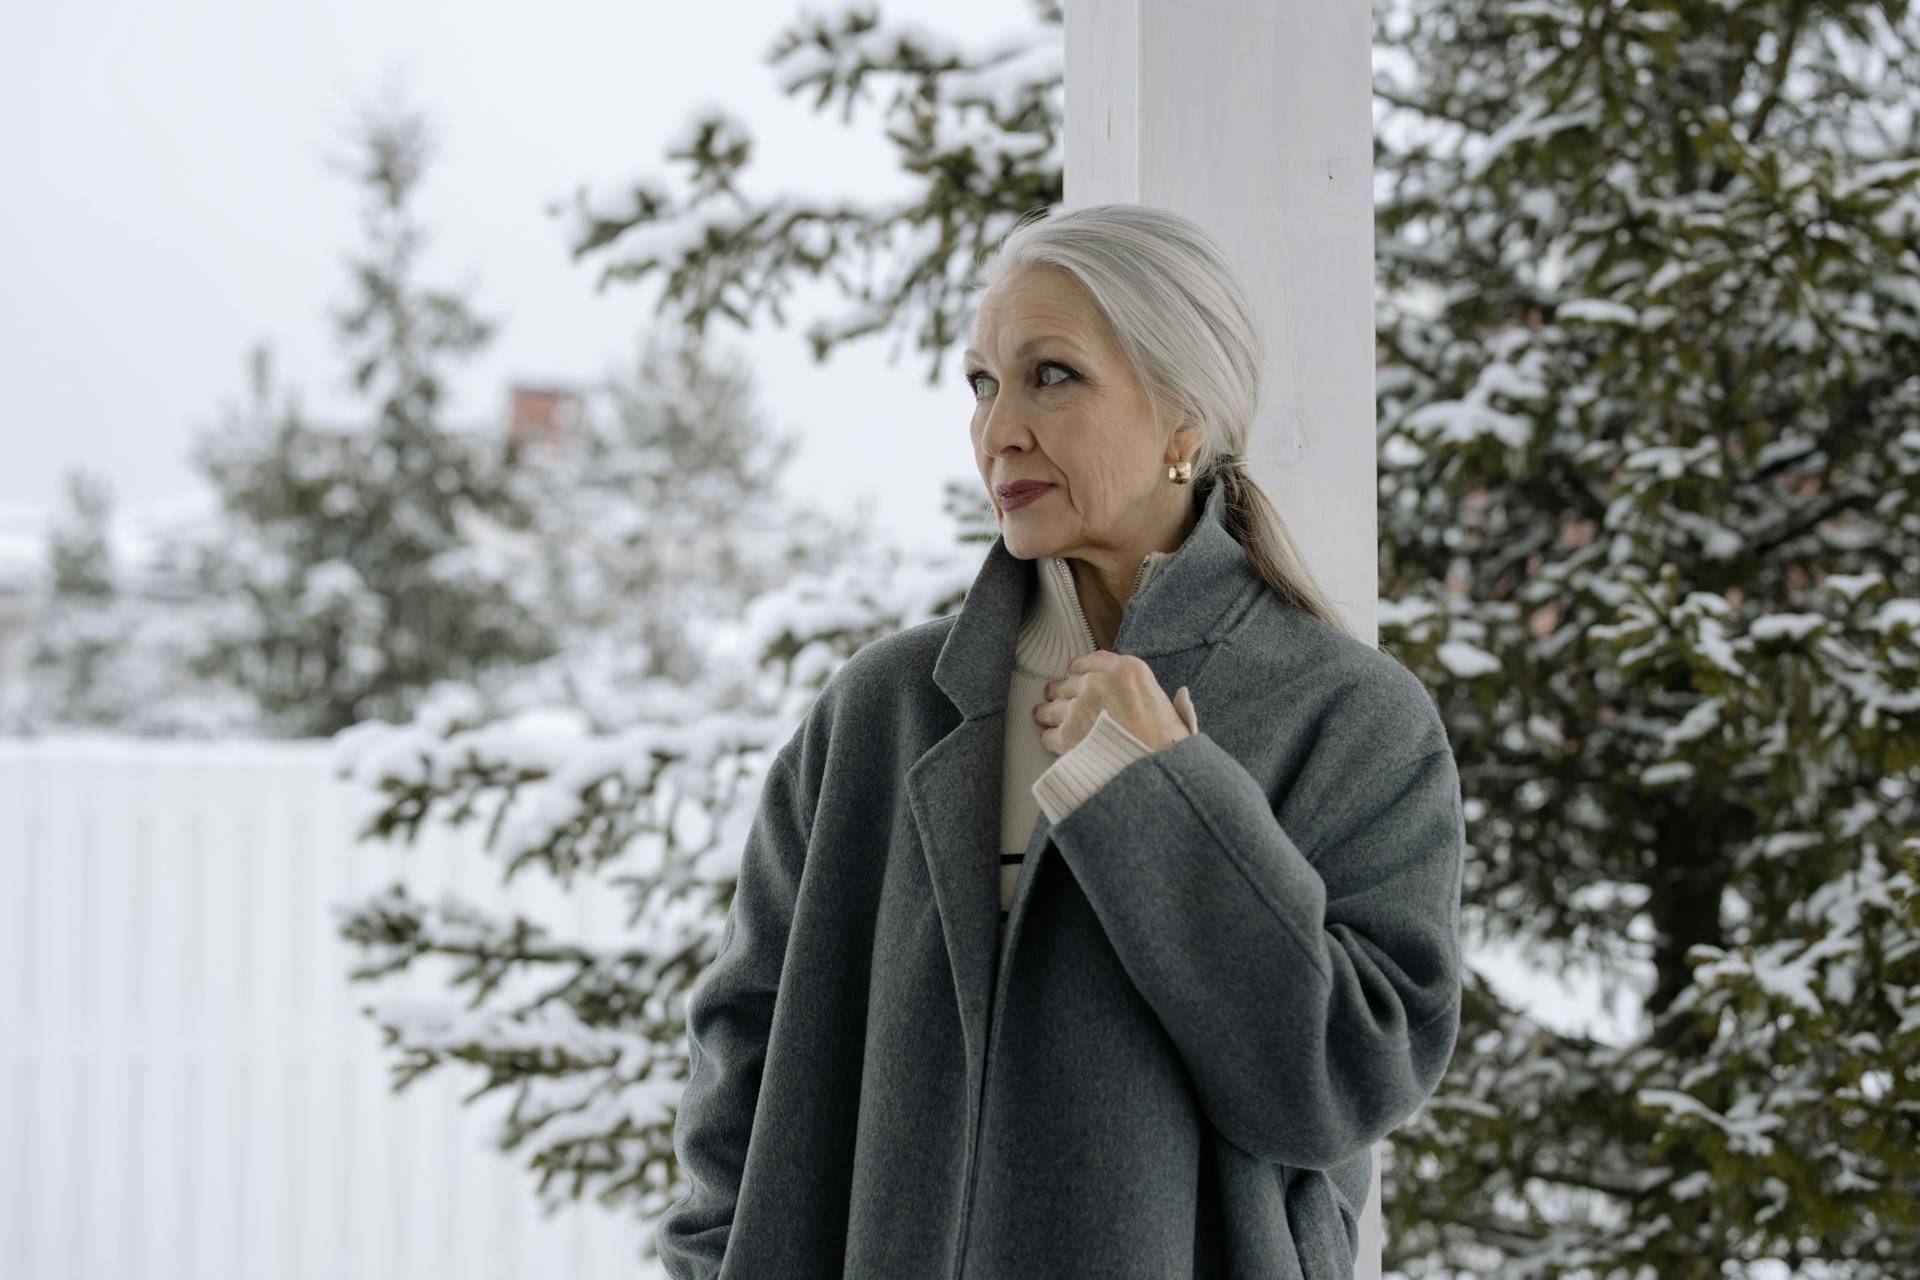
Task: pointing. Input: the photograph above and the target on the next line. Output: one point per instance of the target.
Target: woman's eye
(973, 379)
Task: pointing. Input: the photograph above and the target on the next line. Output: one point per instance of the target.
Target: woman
(1227, 961)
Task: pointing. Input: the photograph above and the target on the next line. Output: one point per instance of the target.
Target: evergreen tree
(1647, 411)
(590, 1037)
(79, 555)
(648, 519)
(1650, 458)
(347, 551)
(979, 129)
(111, 645)
(82, 631)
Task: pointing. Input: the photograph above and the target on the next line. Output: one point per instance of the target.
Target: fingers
(1183, 703)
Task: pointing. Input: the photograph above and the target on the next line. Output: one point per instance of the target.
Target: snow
(1897, 615)
(1457, 421)
(1787, 626)
(1597, 311)
(1466, 661)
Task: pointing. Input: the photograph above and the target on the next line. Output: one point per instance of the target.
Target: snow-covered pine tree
(589, 1035)
(1647, 414)
(79, 553)
(979, 128)
(1649, 409)
(82, 627)
(657, 512)
(347, 555)
(111, 644)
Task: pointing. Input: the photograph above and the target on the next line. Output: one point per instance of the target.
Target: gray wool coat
(1224, 977)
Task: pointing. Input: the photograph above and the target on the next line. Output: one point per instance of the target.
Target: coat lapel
(1188, 605)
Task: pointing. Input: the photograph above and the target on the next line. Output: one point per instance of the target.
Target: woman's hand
(1120, 684)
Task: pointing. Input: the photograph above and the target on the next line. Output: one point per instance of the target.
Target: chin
(1024, 546)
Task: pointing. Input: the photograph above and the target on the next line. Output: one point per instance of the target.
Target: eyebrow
(1028, 345)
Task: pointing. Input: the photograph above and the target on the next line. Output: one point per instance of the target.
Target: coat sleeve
(1311, 985)
(728, 1015)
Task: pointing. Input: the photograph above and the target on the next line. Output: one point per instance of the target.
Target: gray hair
(1179, 313)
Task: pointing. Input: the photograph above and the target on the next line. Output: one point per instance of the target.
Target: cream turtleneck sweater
(1052, 632)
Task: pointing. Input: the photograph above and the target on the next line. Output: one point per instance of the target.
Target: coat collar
(954, 787)
(1187, 601)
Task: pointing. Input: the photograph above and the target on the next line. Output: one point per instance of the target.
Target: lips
(1024, 494)
(1019, 487)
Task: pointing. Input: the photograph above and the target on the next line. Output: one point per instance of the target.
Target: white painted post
(1254, 117)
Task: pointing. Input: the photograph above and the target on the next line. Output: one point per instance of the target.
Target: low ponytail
(1255, 523)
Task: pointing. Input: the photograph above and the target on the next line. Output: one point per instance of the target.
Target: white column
(1254, 118)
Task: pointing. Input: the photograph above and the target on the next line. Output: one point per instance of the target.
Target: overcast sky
(169, 202)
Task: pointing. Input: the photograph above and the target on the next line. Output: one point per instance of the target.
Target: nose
(1004, 431)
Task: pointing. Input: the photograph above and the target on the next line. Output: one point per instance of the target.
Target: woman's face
(1055, 401)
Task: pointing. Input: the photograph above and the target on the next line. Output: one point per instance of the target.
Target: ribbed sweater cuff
(1072, 779)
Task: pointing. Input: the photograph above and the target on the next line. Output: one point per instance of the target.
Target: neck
(1105, 582)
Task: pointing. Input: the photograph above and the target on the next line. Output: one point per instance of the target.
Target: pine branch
(1782, 65)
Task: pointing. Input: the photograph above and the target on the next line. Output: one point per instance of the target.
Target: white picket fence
(188, 1090)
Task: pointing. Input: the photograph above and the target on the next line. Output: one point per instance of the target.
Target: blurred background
(449, 447)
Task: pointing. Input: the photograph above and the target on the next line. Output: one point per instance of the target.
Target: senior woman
(1032, 969)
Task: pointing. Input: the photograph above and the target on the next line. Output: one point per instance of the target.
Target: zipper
(1073, 594)
(1059, 566)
